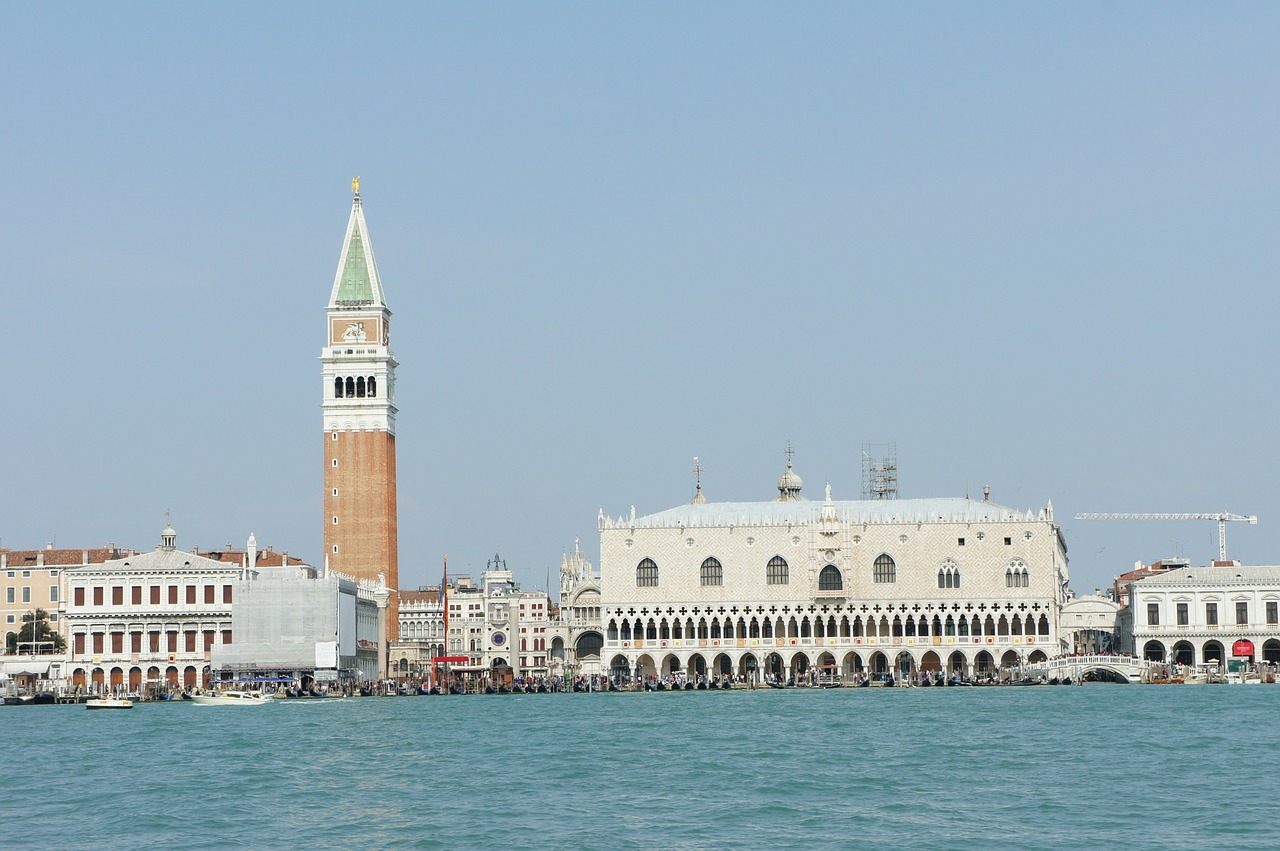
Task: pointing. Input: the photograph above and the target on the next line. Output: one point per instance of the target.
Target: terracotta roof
(266, 558)
(419, 597)
(62, 557)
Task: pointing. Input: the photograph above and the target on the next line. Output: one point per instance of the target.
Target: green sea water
(1095, 766)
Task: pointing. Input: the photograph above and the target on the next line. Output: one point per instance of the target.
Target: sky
(1033, 245)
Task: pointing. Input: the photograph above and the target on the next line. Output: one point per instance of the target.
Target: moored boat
(108, 703)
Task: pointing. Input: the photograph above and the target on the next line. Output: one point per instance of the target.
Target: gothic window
(712, 572)
(829, 579)
(647, 574)
(1016, 576)
(371, 386)
(949, 575)
(884, 570)
(337, 388)
(777, 572)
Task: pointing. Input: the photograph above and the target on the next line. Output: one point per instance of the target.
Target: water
(1047, 767)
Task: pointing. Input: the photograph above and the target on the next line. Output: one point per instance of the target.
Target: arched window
(351, 387)
(647, 574)
(829, 579)
(613, 631)
(884, 569)
(1015, 576)
(371, 385)
(712, 572)
(360, 387)
(337, 388)
(949, 575)
(777, 573)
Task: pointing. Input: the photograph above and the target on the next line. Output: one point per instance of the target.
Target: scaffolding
(880, 471)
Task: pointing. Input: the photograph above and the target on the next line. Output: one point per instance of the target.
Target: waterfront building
(1120, 584)
(576, 633)
(359, 412)
(421, 633)
(1204, 615)
(848, 587)
(292, 622)
(32, 580)
(501, 631)
(147, 618)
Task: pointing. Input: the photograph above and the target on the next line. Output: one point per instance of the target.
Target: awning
(29, 667)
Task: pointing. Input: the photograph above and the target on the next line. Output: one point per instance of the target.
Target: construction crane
(1222, 517)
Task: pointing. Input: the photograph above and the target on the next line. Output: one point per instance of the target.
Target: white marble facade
(964, 586)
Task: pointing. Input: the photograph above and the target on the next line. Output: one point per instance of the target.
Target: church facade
(791, 587)
(358, 367)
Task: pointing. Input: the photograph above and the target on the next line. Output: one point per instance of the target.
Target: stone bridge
(1130, 669)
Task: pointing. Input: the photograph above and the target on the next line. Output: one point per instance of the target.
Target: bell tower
(359, 409)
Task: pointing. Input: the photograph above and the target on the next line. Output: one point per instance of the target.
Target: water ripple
(922, 768)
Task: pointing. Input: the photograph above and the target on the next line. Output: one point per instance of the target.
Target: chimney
(986, 493)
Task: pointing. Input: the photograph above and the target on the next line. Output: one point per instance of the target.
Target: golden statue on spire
(355, 185)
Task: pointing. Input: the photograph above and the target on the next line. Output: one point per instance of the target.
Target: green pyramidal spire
(357, 283)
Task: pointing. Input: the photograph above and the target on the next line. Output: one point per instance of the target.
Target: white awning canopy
(28, 666)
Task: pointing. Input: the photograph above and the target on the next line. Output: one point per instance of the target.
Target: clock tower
(359, 409)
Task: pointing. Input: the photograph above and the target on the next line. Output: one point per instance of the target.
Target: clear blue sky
(1033, 244)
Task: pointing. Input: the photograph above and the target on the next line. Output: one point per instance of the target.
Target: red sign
(1242, 648)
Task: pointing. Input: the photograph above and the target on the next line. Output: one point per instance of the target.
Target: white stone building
(576, 633)
(853, 587)
(498, 627)
(1196, 615)
(147, 618)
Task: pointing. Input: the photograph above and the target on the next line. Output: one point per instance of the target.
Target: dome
(789, 485)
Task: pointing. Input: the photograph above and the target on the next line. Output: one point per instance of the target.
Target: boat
(108, 703)
(232, 698)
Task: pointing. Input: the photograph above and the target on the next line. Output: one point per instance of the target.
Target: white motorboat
(108, 703)
(232, 698)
